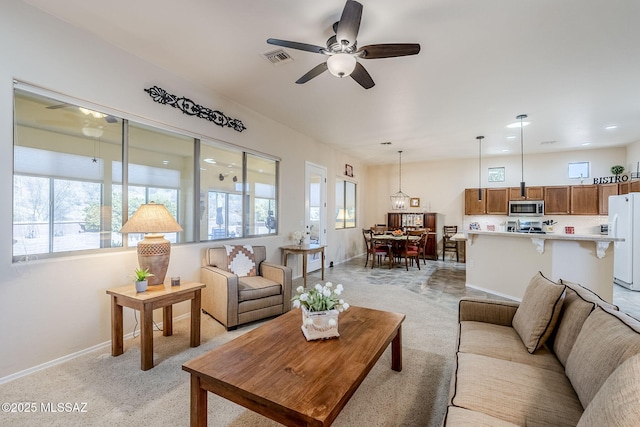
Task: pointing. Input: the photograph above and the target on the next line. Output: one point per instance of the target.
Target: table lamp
(154, 250)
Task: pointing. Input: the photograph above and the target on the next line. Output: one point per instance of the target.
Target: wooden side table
(158, 296)
(304, 250)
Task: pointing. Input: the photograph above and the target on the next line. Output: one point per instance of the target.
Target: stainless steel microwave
(526, 208)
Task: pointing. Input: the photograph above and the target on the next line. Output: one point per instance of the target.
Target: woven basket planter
(319, 325)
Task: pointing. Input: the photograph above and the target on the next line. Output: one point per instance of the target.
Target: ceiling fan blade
(56, 106)
(349, 23)
(361, 76)
(314, 72)
(390, 50)
(296, 45)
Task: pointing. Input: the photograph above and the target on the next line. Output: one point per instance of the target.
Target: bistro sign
(613, 179)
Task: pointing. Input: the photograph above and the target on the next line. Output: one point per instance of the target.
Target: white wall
(52, 308)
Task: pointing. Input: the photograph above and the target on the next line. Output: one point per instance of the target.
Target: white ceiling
(573, 66)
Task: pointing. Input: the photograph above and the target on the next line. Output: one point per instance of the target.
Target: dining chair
(449, 245)
(375, 250)
(379, 229)
(420, 245)
(407, 249)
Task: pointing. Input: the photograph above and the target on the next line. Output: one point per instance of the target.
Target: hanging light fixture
(521, 117)
(480, 138)
(399, 200)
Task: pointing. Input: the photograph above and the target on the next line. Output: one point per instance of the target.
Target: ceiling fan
(343, 51)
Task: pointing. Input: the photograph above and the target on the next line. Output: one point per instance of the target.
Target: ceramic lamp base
(154, 252)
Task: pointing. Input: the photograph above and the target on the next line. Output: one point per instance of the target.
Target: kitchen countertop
(548, 236)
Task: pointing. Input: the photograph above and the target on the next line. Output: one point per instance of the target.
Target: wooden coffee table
(274, 371)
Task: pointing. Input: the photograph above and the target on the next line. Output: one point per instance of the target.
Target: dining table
(394, 240)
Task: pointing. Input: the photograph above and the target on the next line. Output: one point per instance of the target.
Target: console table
(304, 250)
(158, 296)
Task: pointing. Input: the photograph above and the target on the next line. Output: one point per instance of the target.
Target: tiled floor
(442, 280)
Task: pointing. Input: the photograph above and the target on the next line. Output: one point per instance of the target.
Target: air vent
(278, 56)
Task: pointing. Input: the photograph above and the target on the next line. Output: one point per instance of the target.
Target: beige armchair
(233, 300)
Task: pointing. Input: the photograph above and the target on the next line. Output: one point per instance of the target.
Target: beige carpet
(118, 393)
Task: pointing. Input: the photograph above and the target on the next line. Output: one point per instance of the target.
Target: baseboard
(490, 291)
(71, 356)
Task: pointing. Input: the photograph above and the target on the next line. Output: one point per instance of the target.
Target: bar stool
(449, 245)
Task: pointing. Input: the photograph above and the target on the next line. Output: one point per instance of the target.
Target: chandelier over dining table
(399, 200)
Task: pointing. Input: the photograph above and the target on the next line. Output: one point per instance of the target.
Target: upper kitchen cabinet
(473, 206)
(497, 201)
(584, 200)
(557, 200)
(532, 193)
(629, 187)
(604, 191)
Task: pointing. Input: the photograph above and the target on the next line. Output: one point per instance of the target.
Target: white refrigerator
(624, 221)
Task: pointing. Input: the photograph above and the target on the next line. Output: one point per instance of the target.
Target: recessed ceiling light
(511, 137)
(611, 127)
(516, 125)
(505, 150)
(586, 143)
(209, 161)
(165, 162)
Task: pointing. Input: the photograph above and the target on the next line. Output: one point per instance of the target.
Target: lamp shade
(341, 64)
(151, 218)
(154, 251)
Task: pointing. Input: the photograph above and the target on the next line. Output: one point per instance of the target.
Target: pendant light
(479, 138)
(399, 200)
(521, 117)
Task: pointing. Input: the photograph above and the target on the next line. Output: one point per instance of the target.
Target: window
(73, 190)
(345, 204)
(60, 200)
(579, 170)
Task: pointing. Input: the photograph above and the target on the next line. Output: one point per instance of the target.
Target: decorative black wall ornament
(190, 108)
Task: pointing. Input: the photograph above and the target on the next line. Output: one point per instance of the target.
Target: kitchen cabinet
(473, 206)
(532, 193)
(629, 187)
(497, 201)
(584, 200)
(604, 191)
(557, 200)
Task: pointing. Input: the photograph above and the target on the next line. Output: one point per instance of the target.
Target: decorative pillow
(616, 403)
(240, 260)
(538, 312)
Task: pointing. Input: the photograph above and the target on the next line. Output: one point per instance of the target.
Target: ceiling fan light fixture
(341, 64)
(92, 132)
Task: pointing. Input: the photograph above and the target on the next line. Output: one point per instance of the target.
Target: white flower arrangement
(320, 298)
(298, 237)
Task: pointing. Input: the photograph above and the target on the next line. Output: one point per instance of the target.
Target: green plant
(617, 169)
(141, 274)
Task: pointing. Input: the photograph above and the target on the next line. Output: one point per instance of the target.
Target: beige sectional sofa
(561, 357)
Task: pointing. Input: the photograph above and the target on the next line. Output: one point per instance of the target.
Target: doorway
(315, 200)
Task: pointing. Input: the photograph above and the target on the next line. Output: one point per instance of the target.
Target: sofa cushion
(616, 403)
(240, 260)
(606, 340)
(588, 295)
(514, 392)
(463, 417)
(256, 287)
(503, 342)
(538, 312)
(575, 311)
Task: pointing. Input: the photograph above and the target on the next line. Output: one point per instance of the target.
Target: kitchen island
(503, 262)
